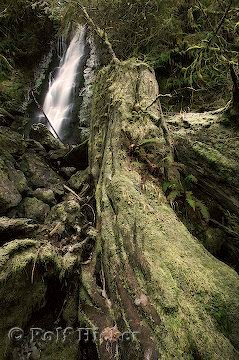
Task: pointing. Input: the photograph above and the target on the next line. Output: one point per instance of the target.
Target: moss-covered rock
(40, 174)
(25, 267)
(11, 227)
(9, 185)
(67, 212)
(34, 209)
(46, 195)
(40, 133)
(11, 141)
(79, 179)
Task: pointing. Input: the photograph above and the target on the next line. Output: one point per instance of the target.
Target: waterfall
(64, 86)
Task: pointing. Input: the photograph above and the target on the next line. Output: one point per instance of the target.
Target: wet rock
(68, 171)
(11, 141)
(58, 154)
(40, 133)
(14, 226)
(6, 118)
(40, 174)
(35, 209)
(45, 195)
(79, 179)
(9, 186)
(36, 147)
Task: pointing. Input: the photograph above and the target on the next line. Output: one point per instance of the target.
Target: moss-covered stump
(149, 274)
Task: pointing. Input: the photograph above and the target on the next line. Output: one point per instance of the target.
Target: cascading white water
(59, 100)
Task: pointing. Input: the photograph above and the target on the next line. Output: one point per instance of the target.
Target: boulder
(14, 227)
(40, 133)
(45, 195)
(35, 209)
(40, 174)
(9, 186)
(11, 141)
(78, 179)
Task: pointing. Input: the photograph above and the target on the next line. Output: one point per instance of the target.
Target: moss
(23, 285)
(216, 158)
(140, 230)
(61, 351)
(12, 90)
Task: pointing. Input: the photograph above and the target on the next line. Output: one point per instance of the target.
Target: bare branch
(101, 33)
(41, 109)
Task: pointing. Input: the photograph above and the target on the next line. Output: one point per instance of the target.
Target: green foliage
(190, 43)
(24, 32)
(180, 191)
(25, 35)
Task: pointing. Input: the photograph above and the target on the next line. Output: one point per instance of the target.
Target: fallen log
(149, 275)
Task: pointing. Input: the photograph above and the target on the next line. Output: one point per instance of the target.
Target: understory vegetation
(189, 43)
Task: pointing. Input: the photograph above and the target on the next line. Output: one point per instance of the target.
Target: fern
(203, 210)
(191, 178)
(173, 195)
(191, 200)
(167, 185)
(180, 190)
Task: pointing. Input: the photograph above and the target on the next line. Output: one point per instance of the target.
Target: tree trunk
(149, 274)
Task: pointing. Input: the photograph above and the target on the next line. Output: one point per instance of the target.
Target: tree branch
(43, 112)
(101, 33)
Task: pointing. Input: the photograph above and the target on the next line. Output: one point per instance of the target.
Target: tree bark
(149, 274)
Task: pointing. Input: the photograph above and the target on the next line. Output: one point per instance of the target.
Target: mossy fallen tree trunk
(149, 274)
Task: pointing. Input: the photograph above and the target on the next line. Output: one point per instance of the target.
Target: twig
(205, 14)
(159, 96)
(34, 264)
(43, 112)
(73, 192)
(225, 228)
(93, 212)
(215, 32)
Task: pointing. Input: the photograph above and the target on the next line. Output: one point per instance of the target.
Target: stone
(40, 133)
(78, 179)
(36, 147)
(9, 187)
(11, 141)
(67, 212)
(40, 174)
(15, 226)
(19, 179)
(68, 171)
(45, 195)
(35, 209)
